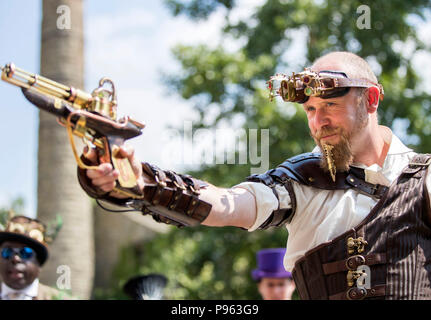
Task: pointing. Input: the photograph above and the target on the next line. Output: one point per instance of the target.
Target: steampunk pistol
(92, 117)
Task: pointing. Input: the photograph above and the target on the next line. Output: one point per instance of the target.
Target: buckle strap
(374, 190)
(353, 262)
(356, 293)
(419, 162)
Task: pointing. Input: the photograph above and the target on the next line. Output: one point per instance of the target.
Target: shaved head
(353, 65)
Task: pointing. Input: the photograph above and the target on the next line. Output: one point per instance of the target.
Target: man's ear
(372, 95)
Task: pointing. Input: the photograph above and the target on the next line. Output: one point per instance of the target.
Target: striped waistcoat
(387, 256)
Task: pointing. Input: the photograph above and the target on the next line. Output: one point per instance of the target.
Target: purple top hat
(270, 264)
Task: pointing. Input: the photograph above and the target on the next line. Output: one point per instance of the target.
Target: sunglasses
(24, 253)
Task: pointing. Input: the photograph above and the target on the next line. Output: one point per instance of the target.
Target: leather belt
(356, 293)
(353, 262)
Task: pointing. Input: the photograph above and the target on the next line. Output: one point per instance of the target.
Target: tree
(58, 189)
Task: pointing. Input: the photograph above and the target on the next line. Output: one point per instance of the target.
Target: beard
(341, 154)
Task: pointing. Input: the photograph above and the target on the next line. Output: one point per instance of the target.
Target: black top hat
(28, 231)
(146, 287)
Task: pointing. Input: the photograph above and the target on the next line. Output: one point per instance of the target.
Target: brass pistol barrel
(16, 76)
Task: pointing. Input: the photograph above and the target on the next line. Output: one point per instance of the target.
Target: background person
(23, 252)
(273, 281)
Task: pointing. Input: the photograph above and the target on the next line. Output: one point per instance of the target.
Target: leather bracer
(172, 198)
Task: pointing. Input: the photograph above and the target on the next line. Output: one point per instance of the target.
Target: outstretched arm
(230, 206)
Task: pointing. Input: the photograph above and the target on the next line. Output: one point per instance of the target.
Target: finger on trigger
(90, 154)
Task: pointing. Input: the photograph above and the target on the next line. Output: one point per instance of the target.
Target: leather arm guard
(172, 198)
(271, 178)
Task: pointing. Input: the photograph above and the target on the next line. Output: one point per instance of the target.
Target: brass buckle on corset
(421, 164)
(357, 244)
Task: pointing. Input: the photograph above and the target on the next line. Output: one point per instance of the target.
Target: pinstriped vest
(387, 256)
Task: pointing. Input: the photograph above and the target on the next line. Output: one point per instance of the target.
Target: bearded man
(357, 208)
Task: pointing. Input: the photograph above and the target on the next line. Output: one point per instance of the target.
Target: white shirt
(28, 293)
(322, 215)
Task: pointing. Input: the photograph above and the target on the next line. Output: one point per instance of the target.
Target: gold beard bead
(327, 150)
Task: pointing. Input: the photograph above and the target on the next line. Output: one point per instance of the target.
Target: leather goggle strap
(358, 83)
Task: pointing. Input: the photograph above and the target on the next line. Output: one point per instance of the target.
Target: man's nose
(321, 119)
(15, 258)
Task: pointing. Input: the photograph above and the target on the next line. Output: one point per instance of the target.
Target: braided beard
(336, 157)
(339, 156)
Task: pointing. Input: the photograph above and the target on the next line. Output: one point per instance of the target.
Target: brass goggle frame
(325, 84)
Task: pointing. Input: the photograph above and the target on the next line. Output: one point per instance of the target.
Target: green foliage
(200, 263)
(215, 263)
(232, 81)
(197, 9)
(15, 208)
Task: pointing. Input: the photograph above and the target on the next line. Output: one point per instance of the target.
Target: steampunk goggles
(324, 84)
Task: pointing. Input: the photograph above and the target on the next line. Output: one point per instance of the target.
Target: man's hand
(105, 175)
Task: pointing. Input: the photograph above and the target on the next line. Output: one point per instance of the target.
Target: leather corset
(387, 256)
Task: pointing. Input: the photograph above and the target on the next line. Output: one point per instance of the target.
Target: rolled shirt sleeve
(266, 201)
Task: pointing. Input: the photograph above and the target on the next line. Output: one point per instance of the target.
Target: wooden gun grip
(126, 183)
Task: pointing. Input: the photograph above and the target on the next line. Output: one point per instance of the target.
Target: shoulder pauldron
(305, 169)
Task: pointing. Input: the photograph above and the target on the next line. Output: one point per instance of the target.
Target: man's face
(276, 288)
(16, 272)
(337, 122)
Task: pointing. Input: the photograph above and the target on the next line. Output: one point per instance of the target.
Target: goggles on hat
(24, 253)
(299, 87)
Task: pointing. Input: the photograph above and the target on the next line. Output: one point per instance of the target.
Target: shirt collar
(30, 291)
(397, 147)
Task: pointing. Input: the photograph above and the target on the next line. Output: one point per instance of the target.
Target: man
(273, 281)
(24, 250)
(357, 209)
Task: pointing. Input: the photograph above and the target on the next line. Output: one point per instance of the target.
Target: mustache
(324, 132)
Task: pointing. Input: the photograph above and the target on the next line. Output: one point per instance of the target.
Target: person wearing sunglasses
(356, 208)
(23, 252)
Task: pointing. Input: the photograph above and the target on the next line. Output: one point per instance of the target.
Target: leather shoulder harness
(305, 169)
